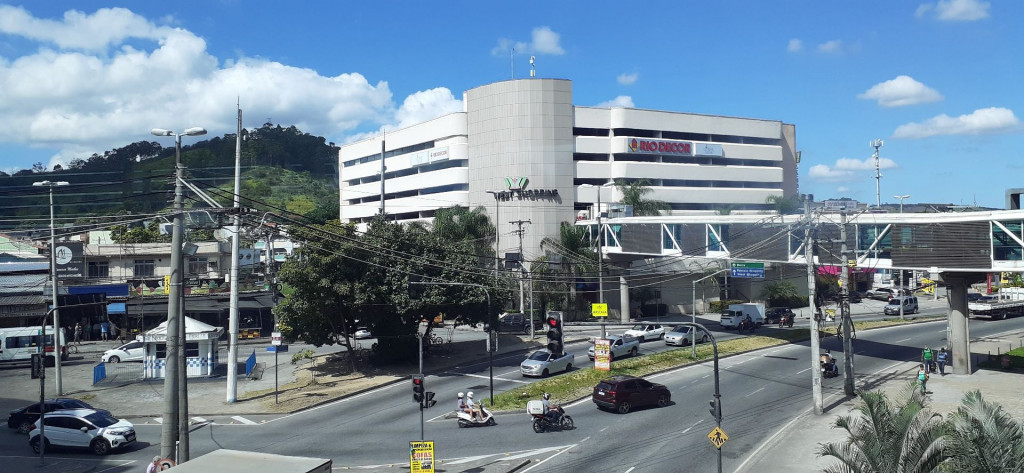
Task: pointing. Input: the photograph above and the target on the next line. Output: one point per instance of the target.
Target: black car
(23, 418)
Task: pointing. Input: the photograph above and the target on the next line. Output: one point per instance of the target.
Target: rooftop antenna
(533, 67)
(878, 175)
(512, 61)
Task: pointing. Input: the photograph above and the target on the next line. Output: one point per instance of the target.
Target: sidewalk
(794, 447)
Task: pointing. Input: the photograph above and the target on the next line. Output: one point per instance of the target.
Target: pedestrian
(88, 330)
(942, 358)
(154, 466)
(78, 333)
(926, 358)
(104, 330)
(922, 379)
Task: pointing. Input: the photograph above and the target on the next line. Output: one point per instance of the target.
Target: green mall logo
(516, 183)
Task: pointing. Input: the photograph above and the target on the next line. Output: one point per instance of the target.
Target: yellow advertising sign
(167, 284)
(421, 457)
(599, 310)
(717, 437)
(603, 354)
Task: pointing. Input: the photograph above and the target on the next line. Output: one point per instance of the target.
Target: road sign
(277, 348)
(746, 270)
(275, 338)
(421, 457)
(602, 354)
(599, 310)
(717, 437)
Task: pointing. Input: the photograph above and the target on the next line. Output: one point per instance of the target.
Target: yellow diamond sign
(717, 437)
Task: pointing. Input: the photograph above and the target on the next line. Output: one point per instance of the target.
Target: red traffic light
(552, 321)
(417, 381)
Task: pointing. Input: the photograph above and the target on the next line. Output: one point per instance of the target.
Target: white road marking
(199, 420)
(243, 420)
(755, 391)
(496, 377)
(604, 429)
(630, 469)
(905, 339)
(467, 459)
(804, 371)
(548, 458)
(438, 417)
(530, 453)
(158, 420)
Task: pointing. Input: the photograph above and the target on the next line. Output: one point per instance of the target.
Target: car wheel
(114, 359)
(624, 407)
(661, 337)
(632, 352)
(568, 367)
(704, 339)
(662, 400)
(100, 447)
(545, 373)
(25, 427)
(34, 443)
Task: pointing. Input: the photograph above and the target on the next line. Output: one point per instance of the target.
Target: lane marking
(905, 339)
(243, 420)
(548, 458)
(158, 420)
(488, 377)
(199, 420)
(803, 371)
(630, 469)
(755, 391)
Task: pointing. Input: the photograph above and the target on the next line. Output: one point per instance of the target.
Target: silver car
(543, 363)
(682, 335)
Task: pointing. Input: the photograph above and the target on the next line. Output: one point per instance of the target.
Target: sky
(937, 81)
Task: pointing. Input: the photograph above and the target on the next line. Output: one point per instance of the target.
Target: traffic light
(555, 342)
(417, 388)
(716, 410)
(428, 400)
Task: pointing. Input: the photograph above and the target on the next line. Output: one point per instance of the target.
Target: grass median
(580, 383)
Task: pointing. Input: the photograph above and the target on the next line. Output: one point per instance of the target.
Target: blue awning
(115, 308)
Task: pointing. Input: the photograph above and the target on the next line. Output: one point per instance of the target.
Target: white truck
(1008, 301)
(736, 312)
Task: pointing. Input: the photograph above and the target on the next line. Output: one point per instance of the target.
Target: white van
(19, 343)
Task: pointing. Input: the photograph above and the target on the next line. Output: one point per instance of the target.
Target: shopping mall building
(524, 152)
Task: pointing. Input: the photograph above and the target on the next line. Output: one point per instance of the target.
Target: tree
(783, 205)
(779, 293)
(984, 438)
(578, 259)
(889, 437)
(634, 192)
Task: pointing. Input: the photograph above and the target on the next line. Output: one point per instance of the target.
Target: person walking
(104, 330)
(942, 358)
(78, 333)
(922, 379)
(926, 358)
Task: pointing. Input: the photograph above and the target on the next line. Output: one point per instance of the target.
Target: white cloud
(847, 169)
(955, 10)
(624, 101)
(628, 79)
(982, 121)
(543, 41)
(87, 89)
(834, 46)
(842, 189)
(901, 91)
(794, 45)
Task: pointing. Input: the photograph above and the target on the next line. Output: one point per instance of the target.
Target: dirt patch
(320, 379)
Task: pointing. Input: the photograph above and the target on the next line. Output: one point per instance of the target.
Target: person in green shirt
(926, 358)
(922, 379)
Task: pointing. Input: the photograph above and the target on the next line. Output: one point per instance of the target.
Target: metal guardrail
(117, 373)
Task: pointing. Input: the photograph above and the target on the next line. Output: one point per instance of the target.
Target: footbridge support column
(957, 332)
(623, 299)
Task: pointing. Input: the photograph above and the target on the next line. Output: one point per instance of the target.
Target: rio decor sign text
(639, 145)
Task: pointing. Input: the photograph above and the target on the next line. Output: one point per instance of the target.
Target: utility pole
(844, 306)
(232, 387)
(819, 407)
(522, 262)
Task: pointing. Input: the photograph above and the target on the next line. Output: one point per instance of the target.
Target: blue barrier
(99, 372)
(250, 363)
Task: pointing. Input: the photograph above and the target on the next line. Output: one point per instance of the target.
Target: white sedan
(131, 351)
(543, 363)
(644, 332)
(362, 332)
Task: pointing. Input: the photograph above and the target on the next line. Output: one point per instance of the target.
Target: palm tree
(889, 438)
(633, 194)
(578, 257)
(783, 205)
(984, 438)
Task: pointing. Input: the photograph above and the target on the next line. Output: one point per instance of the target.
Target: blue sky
(938, 81)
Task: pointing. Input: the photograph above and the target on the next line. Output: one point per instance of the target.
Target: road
(762, 391)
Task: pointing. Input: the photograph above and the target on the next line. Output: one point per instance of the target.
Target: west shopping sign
(517, 189)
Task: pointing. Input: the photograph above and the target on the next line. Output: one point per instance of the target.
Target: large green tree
(984, 438)
(635, 193)
(577, 262)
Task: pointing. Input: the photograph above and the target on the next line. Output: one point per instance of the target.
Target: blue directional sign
(746, 270)
(277, 348)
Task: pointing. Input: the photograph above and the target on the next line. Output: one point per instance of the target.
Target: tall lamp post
(170, 422)
(600, 248)
(58, 344)
(901, 197)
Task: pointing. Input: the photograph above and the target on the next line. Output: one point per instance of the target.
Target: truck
(620, 347)
(736, 312)
(1008, 301)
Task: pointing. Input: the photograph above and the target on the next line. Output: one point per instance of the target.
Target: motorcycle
(467, 420)
(746, 326)
(542, 423)
(830, 369)
(786, 321)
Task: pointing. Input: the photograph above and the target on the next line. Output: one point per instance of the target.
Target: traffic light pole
(716, 404)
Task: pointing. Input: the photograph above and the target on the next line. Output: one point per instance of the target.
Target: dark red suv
(622, 393)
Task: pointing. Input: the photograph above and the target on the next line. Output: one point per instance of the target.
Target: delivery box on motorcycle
(535, 407)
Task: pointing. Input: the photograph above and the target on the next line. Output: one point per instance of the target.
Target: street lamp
(901, 197)
(175, 418)
(600, 248)
(53, 283)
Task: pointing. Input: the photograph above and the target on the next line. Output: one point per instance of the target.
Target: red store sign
(639, 145)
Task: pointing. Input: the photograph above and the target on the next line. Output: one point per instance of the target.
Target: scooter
(829, 370)
(542, 423)
(467, 420)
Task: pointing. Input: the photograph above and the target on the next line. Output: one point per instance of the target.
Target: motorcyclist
(473, 408)
(828, 361)
(747, 322)
(463, 407)
(550, 410)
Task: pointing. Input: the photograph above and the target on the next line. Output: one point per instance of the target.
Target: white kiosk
(200, 349)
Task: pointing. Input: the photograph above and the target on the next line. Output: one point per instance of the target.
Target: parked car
(682, 335)
(513, 322)
(882, 293)
(23, 418)
(773, 314)
(645, 331)
(131, 351)
(909, 305)
(622, 393)
(84, 428)
(619, 347)
(362, 333)
(543, 363)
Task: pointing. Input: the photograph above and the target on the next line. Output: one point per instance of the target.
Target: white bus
(19, 343)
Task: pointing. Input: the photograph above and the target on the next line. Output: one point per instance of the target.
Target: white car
(683, 335)
(84, 428)
(131, 351)
(645, 331)
(362, 332)
(543, 363)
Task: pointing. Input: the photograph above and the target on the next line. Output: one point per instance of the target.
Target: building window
(99, 269)
(191, 350)
(198, 265)
(144, 268)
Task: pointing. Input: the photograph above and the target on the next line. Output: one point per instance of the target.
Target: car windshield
(681, 329)
(539, 356)
(638, 328)
(100, 419)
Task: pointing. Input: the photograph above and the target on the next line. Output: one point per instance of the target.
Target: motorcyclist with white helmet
(473, 409)
(550, 410)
